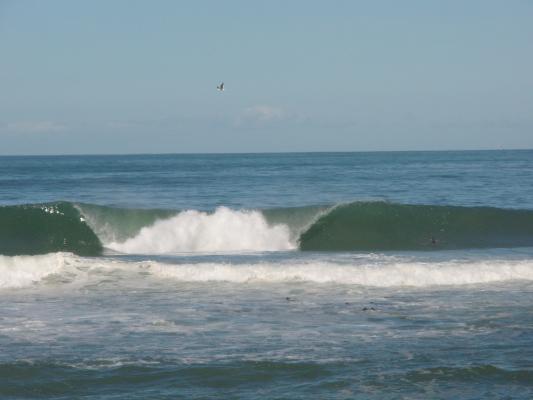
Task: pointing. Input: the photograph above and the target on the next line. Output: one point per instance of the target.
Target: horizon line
(261, 152)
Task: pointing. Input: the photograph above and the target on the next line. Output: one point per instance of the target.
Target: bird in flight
(221, 87)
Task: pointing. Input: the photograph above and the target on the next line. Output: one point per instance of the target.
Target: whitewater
(193, 231)
(330, 275)
(373, 271)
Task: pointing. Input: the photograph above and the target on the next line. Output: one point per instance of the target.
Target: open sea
(387, 275)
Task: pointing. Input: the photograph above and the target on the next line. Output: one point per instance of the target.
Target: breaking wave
(86, 229)
(195, 231)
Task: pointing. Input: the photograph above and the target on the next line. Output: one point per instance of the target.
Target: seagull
(221, 87)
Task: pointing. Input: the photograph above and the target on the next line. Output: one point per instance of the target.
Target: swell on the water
(378, 271)
(371, 226)
(86, 229)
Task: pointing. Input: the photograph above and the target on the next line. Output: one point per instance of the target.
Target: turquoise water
(320, 275)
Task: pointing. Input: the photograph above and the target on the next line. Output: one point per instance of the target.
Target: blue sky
(140, 76)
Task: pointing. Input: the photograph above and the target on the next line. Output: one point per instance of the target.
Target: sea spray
(225, 230)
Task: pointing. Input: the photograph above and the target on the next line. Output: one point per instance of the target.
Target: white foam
(20, 271)
(389, 275)
(225, 230)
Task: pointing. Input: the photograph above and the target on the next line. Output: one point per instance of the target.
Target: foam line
(21, 271)
(388, 275)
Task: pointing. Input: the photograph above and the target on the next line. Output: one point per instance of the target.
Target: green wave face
(297, 219)
(44, 228)
(118, 224)
(371, 226)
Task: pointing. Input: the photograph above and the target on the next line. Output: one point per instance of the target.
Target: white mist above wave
(20, 271)
(225, 230)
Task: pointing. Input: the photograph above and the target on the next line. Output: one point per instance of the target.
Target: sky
(115, 77)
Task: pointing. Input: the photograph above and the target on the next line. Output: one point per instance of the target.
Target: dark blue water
(202, 291)
(490, 178)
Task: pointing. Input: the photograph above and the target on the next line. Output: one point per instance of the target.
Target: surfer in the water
(433, 240)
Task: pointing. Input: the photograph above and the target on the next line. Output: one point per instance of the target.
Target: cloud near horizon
(260, 115)
(33, 127)
(264, 113)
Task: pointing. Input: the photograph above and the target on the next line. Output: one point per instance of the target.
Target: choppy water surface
(371, 275)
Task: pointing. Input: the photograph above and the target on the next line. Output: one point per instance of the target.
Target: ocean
(379, 275)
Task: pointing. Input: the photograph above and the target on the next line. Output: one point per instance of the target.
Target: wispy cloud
(264, 113)
(34, 127)
(260, 114)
